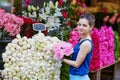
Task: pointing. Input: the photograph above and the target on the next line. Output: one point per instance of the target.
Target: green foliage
(62, 33)
(73, 10)
(64, 72)
(117, 45)
(18, 7)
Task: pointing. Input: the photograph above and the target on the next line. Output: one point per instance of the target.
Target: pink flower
(10, 23)
(105, 19)
(84, 6)
(74, 36)
(118, 19)
(113, 19)
(103, 42)
(27, 2)
(62, 49)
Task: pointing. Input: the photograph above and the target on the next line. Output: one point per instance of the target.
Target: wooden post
(12, 7)
(95, 75)
(117, 71)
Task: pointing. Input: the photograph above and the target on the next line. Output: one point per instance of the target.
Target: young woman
(80, 62)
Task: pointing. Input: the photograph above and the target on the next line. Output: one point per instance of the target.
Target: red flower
(27, 21)
(45, 32)
(68, 23)
(60, 2)
(29, 33)
(35, 22)
(79, 12)
(64, 13)
(78, 2)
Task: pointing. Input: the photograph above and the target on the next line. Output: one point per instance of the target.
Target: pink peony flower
(74, 36)
(27, 2)
(84, 6)
(62, 49)
(103, 42)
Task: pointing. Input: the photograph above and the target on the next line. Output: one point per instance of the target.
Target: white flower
(53, 23)
(29, 8)
(33, 8)
(25, 62)
(51, 5)
(33, 15)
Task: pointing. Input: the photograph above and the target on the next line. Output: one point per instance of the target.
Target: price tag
(39, 27)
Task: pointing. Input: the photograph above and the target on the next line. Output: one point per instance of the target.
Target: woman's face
(83, 26)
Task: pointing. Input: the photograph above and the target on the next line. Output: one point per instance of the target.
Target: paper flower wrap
(61, 49)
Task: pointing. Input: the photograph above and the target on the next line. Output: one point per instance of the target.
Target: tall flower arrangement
(103, 53)
(31, 59)
(71, 10)
(61, 15)
(49, 14)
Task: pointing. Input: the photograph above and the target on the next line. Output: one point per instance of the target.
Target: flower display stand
(110, 72)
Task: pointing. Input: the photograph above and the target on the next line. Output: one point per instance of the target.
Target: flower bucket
(4, 35)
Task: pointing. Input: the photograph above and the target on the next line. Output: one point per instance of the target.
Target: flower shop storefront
(39, 36)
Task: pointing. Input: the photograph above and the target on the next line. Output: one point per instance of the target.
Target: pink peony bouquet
(61, 49)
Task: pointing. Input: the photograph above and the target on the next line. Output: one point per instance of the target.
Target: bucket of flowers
(10, 25)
